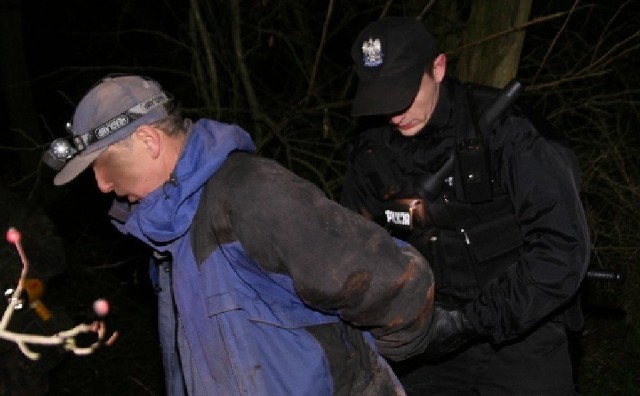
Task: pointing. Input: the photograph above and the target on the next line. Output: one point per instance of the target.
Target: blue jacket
(246, 307)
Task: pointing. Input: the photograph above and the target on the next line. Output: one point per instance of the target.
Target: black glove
(449, 330)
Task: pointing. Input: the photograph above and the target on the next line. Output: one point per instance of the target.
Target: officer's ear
(439, 67)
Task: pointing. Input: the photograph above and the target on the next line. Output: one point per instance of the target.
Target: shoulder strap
(473, 160)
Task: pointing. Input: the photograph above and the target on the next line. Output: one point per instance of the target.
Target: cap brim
(387, 96)
(74, 167)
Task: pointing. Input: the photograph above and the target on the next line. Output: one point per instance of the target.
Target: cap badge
(372, 52)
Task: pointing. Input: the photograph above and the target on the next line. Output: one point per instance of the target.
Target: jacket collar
(166, 213)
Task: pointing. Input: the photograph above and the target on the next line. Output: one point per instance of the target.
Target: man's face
(128, 169)
(411, 121)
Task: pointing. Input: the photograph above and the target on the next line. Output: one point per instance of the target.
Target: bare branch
(555, 40)
(426, 9)
(66, 338)
(320, 49)
(210, 65)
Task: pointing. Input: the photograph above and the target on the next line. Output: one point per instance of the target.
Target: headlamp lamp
(59, 153)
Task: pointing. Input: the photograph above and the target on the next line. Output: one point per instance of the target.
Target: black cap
(390, 57)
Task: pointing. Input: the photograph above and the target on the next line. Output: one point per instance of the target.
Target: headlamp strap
(120, 121)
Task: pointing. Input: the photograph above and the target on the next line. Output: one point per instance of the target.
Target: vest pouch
(473, 172)
(453, 268)
(494, 245)
(494, 238)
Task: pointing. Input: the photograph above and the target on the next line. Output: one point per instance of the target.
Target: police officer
(486, 191)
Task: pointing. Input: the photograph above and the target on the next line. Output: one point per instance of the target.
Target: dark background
(64, 47)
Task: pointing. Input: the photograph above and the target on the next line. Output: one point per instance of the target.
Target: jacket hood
(166, 213)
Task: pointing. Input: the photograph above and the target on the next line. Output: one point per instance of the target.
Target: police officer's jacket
(269, 279)
(511, 259)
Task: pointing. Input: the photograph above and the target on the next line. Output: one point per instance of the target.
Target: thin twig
(426, 9)
(323, 38)
(555, 40)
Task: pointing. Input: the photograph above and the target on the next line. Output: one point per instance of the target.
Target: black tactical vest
(468, 230)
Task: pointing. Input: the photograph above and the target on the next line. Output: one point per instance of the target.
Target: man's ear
(149, 137)
(439, 67)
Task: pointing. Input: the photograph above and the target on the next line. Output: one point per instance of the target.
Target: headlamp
(62, 150)
(59, 153)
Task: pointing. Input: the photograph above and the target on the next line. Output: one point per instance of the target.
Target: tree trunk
(492, 42)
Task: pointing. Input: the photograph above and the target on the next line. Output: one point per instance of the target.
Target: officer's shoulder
(539, 121)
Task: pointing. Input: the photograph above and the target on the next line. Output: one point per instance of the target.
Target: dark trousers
(539, 365)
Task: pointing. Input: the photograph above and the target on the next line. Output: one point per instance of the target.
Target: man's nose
(103, 185)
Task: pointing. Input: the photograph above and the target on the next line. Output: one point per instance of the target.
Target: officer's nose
(396, 119)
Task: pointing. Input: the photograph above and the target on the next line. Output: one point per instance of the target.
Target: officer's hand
(449, 330)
